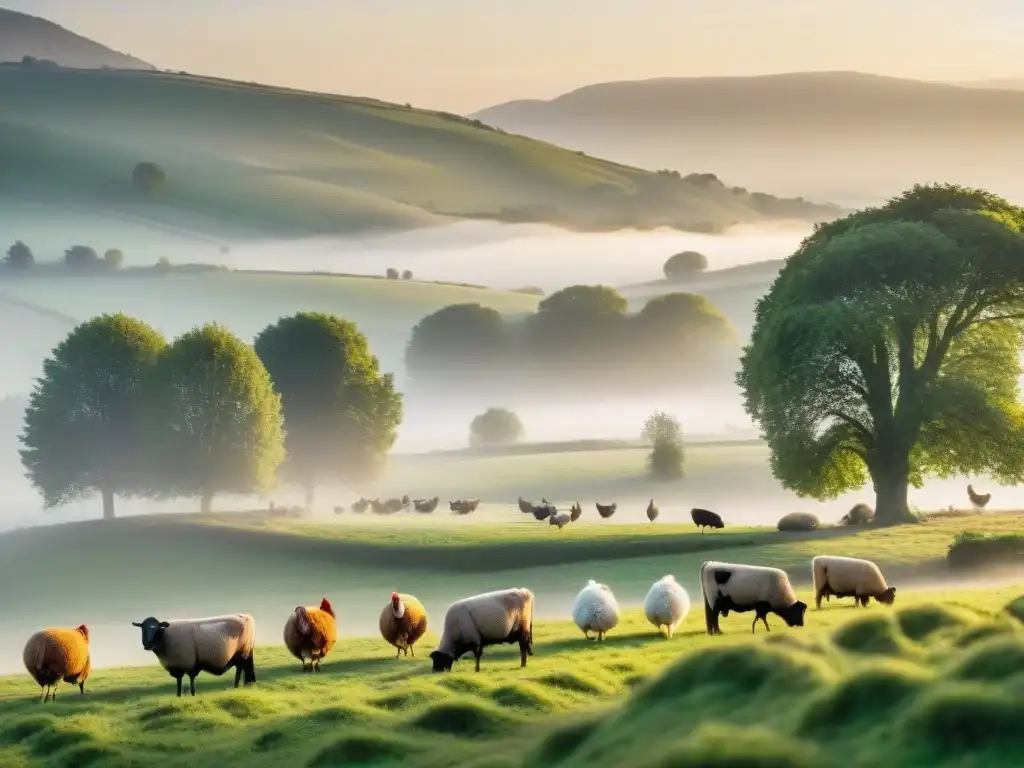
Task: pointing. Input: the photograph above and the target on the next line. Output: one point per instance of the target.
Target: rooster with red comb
(402, 622)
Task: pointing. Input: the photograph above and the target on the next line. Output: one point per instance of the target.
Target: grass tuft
(466, 719)
(876, 635)
(919, 621)
(992, 661)
(362, 749)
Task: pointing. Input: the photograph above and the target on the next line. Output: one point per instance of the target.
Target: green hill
(245, 159)
(22, 35)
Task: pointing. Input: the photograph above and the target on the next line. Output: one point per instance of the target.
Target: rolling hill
(248, 160)
(22, 35)
(845, 136)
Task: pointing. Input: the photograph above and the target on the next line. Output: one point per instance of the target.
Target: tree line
(581, 335)
(120, 411)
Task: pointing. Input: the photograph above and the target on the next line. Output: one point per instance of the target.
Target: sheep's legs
(192, 684)
(178, 678)
(238, 674)
(478, 652)
(411, 651)
(600, 637)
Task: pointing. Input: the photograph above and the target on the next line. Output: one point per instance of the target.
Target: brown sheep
(55, 655)
(402, 622)
(311, 632)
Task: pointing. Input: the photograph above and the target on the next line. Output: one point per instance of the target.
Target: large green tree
(81, 432)
(888, 348)
(213, 419)
(341, 414)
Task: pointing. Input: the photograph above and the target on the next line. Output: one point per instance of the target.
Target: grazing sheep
(575, 512)
(473, 623)
(311, 632)
(849, 577)
(741, 588)
(595, 609)
(395, 505)
(544, 511)
(526, 507)
(859, 514)
(652, 511)
(666, 604)
(380, 507)
(797, 522)
(703, 518)
(463, 506)
(978, 500)
(214, 644)
(360, 506)
(426, 505)
(55, 655)
(561, 520)
(607, 510)
(402, 622)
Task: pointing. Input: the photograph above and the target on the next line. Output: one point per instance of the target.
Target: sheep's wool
(748, 585)
(667, 604)
(595, 608)
(848, 574)
(56, 654)
(491, 616)
(211, 642)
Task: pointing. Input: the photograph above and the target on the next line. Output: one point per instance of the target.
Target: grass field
(935, 682)
(248, 158)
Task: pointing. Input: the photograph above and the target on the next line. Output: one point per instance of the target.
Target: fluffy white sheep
(595, 609)
(214, 644)
(741, 588)
(666, 604)
(492, 618)
(849, 577)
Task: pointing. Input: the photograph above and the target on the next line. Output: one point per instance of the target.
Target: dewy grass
(945, 695)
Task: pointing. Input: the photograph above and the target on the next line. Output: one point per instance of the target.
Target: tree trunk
(108, 504)
(310, 495)
(891, 507)
(206, 502)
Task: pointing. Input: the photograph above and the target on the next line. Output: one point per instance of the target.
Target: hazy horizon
(418, 54)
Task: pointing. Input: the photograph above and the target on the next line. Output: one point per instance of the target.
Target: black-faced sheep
(492, 618)
(703, 518)
(741, 588)
(840, 577)
(55, 655)
(607, 510)
(214, 645)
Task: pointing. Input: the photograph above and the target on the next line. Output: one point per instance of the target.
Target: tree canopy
(81, 429)
(20, 256)
(665, 435)
(341, 414)
(684, 264)
(214, 420)
(81, 257)
(495, 426)
(149, 178)
(888, 348)
(456, 338)
(113, 258)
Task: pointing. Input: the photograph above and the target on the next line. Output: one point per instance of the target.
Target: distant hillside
(843, 136)
(22, 35)
(253, 159)
(1006, 84)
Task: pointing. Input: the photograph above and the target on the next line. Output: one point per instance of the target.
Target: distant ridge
(22, 35)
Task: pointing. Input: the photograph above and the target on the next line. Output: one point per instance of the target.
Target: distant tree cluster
(121, 412)
(394, 274)
(685, 264)
(581, 335)
(665, 435)
(78, 257)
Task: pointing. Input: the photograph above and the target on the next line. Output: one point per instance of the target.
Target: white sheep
(214, 644)
(492, 618)
(666, 604)
(595, 610)
(836, 576)
(741, 588)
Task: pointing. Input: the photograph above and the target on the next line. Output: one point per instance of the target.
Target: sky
(463, 55)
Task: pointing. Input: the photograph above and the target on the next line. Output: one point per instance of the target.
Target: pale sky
(463, 55)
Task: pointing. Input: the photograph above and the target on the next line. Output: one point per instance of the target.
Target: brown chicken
(978, 500)
(402, 622)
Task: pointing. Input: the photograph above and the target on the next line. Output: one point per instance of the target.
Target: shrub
(531, 290)
(859, 514)
(407, 274)
(149, 178)
(660, 427)
(665, 461)
(113, 258)
(391, 273)
(971, 549)
(799, 521)
(684, 264)
(495, 426)
(163, 264)
(20, 256)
